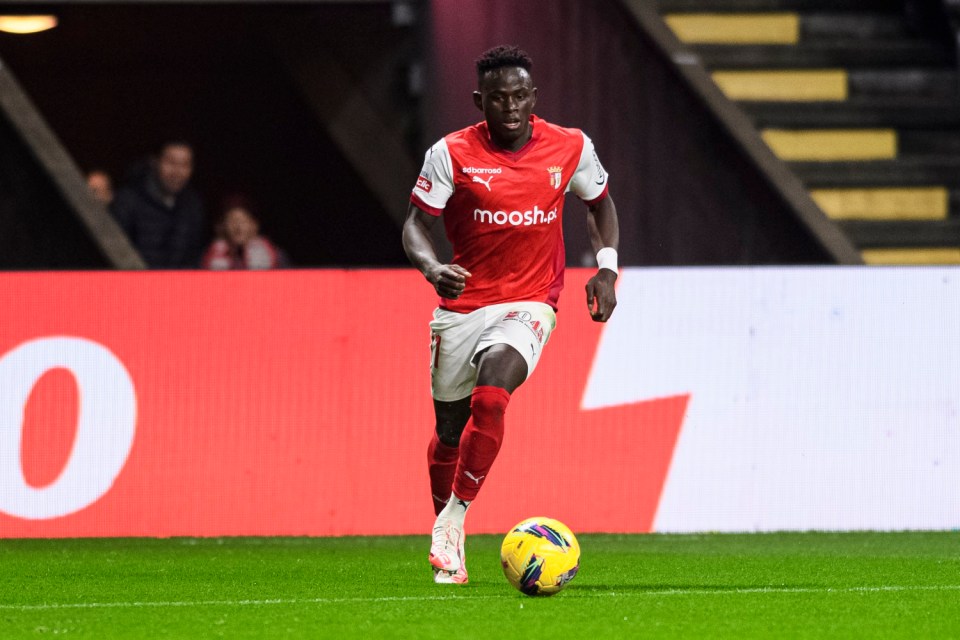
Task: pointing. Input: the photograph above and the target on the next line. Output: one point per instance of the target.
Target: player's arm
(604, 230)
(447, 279)
(591, 183)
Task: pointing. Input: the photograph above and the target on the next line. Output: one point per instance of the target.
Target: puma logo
(485, 183)
(473, 477)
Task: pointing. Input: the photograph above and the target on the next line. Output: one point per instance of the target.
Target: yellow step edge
(884, 203)
(735, 28)
(799, 85)
(827, 145)
(912, 256)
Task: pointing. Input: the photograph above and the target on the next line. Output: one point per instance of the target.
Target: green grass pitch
(790, 585)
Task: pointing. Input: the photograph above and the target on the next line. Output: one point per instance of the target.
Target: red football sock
(481, 440)
(442, 465)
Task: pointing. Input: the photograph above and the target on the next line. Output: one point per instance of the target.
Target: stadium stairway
(862, 104)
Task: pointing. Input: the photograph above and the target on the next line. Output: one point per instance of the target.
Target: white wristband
(607, 259)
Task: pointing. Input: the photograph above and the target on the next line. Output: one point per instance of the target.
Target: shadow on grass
(680, 588)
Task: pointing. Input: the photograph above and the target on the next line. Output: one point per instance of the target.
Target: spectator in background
(161, 213)
(239, 244)
(101, 186)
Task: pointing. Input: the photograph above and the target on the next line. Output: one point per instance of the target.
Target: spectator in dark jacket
(161, 213)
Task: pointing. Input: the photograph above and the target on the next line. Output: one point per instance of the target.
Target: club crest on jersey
(556, 176)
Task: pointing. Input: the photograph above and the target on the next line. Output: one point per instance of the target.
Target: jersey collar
(512, 156)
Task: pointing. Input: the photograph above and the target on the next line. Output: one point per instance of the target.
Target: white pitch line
(609, 594)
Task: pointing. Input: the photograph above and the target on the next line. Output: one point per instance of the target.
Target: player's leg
(447, 551)
(452, 378)
(443, 451)
(508, 352)
(505, 370)
(500, 370)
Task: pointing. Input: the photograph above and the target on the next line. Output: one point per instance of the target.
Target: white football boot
(447, 554)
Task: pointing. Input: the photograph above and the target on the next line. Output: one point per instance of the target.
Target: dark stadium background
(321, 113)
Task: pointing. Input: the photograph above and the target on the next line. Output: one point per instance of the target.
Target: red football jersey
(502, 210)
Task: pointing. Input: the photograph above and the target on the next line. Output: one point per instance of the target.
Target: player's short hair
(502, 56)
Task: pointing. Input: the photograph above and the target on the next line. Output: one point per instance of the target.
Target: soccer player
(499, 186)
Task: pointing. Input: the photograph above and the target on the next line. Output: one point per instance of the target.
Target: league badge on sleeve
(424, 184)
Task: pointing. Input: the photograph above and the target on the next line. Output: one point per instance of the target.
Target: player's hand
(602, 295)
(449, 280)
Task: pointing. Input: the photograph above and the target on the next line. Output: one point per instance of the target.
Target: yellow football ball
(540, 556)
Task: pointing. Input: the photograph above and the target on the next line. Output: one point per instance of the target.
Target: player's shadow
(654, 589)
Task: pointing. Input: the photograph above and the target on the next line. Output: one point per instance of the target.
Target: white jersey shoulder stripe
(435, 182)
(590, 178)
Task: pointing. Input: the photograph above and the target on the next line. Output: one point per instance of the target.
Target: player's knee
(488, 404)
(451, 419)
(449, 433)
